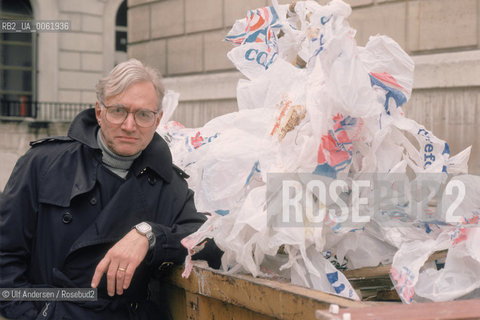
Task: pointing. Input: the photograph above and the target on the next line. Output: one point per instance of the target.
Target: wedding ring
(121, 269)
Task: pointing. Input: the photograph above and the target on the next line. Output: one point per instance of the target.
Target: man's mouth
(127, 139)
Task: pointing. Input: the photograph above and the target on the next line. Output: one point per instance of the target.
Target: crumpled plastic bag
(315, 102)
(417, 281)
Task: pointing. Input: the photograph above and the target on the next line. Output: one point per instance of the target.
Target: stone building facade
(68, 64)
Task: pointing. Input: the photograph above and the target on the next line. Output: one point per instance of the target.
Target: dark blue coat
(54, 232)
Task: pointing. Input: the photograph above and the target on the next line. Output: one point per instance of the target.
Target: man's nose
(129, 123)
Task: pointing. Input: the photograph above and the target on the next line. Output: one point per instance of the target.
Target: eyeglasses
(118, 114)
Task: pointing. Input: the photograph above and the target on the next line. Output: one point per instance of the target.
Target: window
(17, 62)
(121, 34)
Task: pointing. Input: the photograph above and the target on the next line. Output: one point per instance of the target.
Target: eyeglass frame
(128, 112)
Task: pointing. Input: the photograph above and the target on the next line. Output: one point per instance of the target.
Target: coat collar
(156, 156)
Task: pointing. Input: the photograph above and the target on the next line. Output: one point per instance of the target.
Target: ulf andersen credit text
(48, 294)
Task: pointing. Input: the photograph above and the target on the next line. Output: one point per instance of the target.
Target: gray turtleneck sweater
(114, 162)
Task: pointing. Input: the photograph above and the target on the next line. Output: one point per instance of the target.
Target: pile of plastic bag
(314, 102)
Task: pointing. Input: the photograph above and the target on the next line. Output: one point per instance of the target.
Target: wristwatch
(146, 230)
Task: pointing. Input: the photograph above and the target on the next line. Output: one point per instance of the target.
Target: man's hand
(121, 261)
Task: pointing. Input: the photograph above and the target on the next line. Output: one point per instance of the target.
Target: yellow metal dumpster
(213, 294)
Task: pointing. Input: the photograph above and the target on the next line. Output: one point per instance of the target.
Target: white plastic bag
(460, 276)
(315, 102)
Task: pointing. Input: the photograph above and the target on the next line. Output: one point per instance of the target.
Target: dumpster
(213, 294)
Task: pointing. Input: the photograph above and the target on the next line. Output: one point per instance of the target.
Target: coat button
(152, 180)
(67, 218)
(93, 201)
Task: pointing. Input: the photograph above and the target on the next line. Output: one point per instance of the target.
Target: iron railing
(42, 111)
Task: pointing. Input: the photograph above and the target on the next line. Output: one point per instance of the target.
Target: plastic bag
(315, 102)
(258, 40)
(460, 275)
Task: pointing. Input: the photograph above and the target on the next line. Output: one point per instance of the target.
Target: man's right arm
(18, 207)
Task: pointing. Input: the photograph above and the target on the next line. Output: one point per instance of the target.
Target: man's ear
(98, 111)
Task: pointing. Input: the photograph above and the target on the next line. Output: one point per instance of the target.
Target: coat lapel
(118, 217)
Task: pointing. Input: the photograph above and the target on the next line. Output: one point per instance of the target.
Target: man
(103, 207)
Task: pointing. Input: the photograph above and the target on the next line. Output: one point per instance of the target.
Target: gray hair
(124, 75)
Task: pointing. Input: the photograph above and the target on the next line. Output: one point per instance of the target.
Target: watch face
(143, 227)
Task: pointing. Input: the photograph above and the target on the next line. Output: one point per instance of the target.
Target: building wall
(183, 38)
(70, 63)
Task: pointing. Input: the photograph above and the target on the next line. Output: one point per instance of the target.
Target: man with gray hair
(102, 207)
